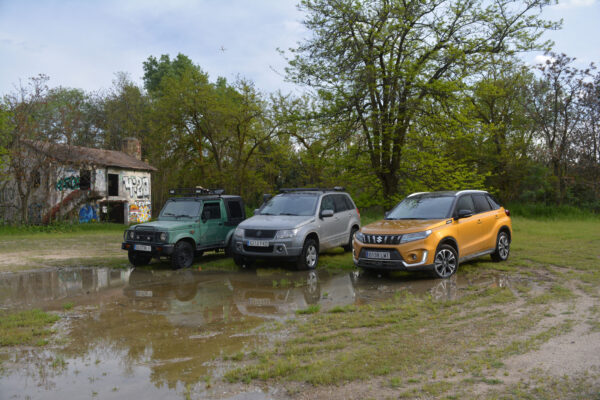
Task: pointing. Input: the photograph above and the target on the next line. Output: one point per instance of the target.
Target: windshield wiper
(266, 214)
(288, 214)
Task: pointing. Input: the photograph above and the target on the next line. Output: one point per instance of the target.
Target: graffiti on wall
(7, 196)
(87, 213)
(139, 212)
(138, 187)
(67, 183)
(34, 211)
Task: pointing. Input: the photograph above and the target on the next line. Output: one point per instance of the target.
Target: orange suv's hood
(399, 226)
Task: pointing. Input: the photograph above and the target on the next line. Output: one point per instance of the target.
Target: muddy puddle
(154, 333)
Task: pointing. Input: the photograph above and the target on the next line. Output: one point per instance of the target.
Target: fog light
(159, 248)
(413, 257)
(238, 246)
(280, 248)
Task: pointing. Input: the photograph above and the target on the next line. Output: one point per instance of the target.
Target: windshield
(291, 204)
(422, 207)
(180, 209)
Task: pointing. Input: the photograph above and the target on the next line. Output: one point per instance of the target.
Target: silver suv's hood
(276, 221)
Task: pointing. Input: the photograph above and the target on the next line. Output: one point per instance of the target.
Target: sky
(84, 43)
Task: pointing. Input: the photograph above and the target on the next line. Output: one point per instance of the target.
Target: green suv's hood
(167, 225)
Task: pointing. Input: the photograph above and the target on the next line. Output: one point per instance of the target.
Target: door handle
(478, 221)
(220, 223)
(497, 216)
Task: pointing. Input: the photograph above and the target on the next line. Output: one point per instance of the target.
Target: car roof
(445, 193)
(206, 197)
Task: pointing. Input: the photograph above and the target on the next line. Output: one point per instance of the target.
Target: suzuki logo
(258, 233)
(379, 239)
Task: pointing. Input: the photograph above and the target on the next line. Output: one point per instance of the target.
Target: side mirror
(256, 210)
(464, 213)
(386, 214)
(266, 197)
(326, 214)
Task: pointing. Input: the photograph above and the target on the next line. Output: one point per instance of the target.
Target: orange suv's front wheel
(445, 262)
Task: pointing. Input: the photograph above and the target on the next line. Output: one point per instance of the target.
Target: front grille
(260, 233)
(145, 235)
(258, 249)
(383, 239)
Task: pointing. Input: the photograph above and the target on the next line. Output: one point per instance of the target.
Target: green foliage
(25, 327)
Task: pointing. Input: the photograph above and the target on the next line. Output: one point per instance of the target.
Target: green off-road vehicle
(198, 221)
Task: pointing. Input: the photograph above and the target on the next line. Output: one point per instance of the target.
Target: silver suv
(296, 225)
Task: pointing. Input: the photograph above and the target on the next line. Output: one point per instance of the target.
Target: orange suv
(434, 231)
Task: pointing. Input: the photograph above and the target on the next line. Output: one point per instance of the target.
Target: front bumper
(156, 249)
(395, 263)
(276, 248)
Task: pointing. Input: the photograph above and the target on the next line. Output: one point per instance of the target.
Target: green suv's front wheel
(183, 255)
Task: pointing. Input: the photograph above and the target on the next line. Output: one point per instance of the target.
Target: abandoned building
(57, 182)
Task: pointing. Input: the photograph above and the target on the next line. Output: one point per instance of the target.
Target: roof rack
(333, 189)
(197, 191)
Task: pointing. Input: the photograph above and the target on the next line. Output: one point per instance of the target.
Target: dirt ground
(564, 364)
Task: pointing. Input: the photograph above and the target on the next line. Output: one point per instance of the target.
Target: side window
(481, 204)
(235, 210)
(211, 211)
(340, 203)
(349, 204)
(327, 203)
(465, 203)
(493, 203)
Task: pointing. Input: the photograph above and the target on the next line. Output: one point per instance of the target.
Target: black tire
(183, 255)
(310, 255)
(241, 261)
(348, 247)
(138, 258)
(502, 247)
(445, 262)
(229, 248)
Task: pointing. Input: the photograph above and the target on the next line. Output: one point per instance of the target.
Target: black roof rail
(333, 189)
(197, 191)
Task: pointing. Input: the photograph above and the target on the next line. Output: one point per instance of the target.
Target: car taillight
(358, 212)
(507, 212)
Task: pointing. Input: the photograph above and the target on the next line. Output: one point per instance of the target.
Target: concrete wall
(59, 196)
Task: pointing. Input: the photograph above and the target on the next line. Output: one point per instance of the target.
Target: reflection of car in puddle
(185, 297)
(43, 286)
(278, 294)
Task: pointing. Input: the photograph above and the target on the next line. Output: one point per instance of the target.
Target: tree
(381, 61)
(29, 112)
(497, 106)
(124, 112)
(557, 108)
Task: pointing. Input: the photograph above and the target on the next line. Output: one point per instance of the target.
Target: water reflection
(166, 327)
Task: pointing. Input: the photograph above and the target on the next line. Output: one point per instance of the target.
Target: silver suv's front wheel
(309, 256)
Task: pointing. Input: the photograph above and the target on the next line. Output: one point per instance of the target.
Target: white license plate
(143, 293)
(381, 255)
(258, 243)
(142, 247)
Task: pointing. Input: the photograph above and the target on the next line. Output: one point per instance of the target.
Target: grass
(25, 327)
(407, 339)
(61, 228)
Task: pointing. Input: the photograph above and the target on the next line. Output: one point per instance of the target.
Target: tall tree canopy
(381, 61)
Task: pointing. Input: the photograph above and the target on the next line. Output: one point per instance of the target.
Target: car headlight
(238, 233)
(163, 236)
(360, 237)
(286, 234)
(131, 235)
(411, 237)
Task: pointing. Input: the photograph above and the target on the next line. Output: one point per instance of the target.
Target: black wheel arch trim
(452, 242)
